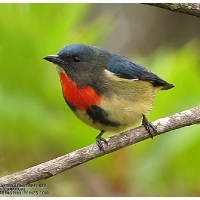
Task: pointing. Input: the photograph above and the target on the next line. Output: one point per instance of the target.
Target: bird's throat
(79, 97)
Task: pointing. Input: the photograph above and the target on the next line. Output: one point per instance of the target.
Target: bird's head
(81, 63)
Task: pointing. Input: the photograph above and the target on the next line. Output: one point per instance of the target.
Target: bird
(106, 90)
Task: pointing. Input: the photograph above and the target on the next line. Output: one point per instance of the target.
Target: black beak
(54, 59)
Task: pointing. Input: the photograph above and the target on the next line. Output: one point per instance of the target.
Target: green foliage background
(36, 125)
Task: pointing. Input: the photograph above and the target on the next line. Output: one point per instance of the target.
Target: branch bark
(187, 8)
(50, 168)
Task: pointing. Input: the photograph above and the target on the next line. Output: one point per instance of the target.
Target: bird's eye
(77, 59)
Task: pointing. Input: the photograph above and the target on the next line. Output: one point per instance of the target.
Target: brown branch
(80, 156)
(187, 8)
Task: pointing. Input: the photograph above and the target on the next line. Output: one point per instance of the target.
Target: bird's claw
(149, 126)
(99, 141)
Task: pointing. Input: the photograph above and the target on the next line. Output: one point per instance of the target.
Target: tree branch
(80, 156)
(187, 8)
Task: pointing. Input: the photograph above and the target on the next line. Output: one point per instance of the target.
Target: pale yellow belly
(125, 106)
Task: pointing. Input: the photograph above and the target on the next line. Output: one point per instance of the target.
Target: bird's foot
(99, 141)
(149, 126)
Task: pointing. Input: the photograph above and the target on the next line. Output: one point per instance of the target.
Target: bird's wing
(124, 68)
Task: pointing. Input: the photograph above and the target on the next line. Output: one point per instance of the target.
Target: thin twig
(187, 8)
(116, 142)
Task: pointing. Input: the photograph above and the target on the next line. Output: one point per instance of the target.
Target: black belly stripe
(98, 115)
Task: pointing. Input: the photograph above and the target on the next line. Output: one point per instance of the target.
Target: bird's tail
(167, 86)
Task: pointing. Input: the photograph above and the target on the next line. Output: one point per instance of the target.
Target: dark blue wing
(124, 68)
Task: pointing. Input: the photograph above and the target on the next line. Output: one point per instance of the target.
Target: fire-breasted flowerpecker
(106, 90)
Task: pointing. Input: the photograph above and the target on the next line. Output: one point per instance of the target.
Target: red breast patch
(80, 98)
